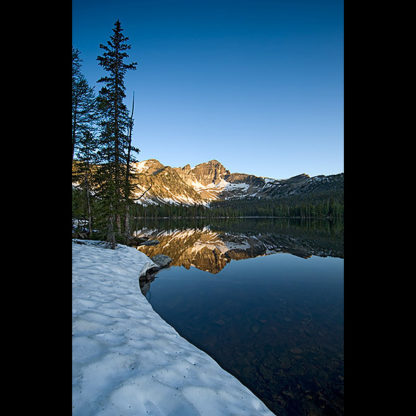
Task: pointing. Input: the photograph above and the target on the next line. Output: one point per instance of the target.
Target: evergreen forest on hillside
(324, 207)
(104, 204)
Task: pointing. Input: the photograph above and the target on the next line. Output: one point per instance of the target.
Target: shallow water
(265, 300)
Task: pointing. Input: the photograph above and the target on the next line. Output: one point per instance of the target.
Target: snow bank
(127, 360)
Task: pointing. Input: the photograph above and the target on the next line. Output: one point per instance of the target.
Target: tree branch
(145, 192)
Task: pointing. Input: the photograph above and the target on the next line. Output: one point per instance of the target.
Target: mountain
(211, 250)
(212, 182)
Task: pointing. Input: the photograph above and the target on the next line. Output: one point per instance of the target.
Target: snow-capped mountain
(211, 181)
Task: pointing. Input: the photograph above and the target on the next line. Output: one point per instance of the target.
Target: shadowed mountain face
(211, 249)
(211, 181)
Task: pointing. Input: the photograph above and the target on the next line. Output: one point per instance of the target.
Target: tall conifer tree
(83, 103)
(84, 172)
(114, 137)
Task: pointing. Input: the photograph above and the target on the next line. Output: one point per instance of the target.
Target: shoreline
(127, 359)
(240, 217)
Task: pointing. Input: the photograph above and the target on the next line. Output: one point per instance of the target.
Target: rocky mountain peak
(187, 168)
(298, 178)
(149, 166)
(211, 181)
(210, 172)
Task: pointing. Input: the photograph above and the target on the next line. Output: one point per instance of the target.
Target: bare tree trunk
(126, 196)
(127, 231)
(118, 222)
(88, 199)
(74, 129)
(89, 213)
(111, 238)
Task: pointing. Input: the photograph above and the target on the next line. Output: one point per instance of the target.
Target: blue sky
(256, 84)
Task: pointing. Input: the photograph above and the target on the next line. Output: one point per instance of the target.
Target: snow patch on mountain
(237, 186)
(211, 181)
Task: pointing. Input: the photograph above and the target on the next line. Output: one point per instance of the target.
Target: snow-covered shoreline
(127, 360)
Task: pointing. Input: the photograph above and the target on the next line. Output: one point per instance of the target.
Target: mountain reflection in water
(210, 249)
(274, 321)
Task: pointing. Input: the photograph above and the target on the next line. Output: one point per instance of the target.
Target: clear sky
(255, 84)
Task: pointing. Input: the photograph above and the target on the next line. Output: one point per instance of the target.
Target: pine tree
(83, 103)
(114, 137)
(85, 171)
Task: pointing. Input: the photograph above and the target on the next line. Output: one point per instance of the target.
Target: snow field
(127, 360)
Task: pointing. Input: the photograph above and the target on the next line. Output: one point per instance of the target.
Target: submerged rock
(135, 241)
(161, 260)
(145, 279)
(150, 243)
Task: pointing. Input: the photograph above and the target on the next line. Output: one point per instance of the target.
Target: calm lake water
(264, 298)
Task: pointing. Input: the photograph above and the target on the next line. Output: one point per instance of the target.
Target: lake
(264, 298)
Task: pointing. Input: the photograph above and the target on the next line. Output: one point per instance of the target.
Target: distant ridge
(211, 181)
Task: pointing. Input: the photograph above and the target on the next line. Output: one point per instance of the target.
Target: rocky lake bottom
(264, 298)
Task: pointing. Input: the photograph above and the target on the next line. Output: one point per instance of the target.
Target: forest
(104, 205)
(325, 207)
(102, 150)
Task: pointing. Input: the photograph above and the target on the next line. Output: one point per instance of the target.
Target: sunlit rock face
(163, 184)
(210, 172)
(211, 181)
(206, 178)
(211, 251)
(157, 184)
(149, 167)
